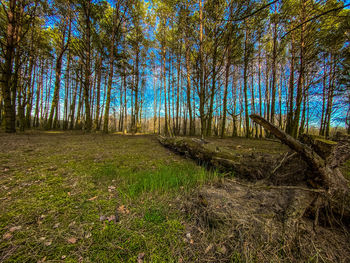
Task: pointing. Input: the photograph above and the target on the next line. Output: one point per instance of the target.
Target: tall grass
(162, 179)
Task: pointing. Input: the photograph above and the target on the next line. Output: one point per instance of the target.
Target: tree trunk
(274, 58)
(38, 91)
(86, 91)
(55, 99)
(29, 91)
(201, 72)
(245, 88)
(295, 123)
(260, 92)
(177, 123)
(98, 107)
(330, 97)
(290, 114)
(67, 84)
(322, 124)
(72, 106)
(188, 94)
(212, 93)
(109, 90)
(166, 130)
(136, 89)
(9, 92)
(224, 110)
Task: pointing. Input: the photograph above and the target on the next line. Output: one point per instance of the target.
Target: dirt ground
(60, 194)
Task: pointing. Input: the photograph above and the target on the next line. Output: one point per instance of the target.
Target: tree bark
(245, 84)
(274, 58)
(213, 90)
(86, 91)
(8, 91)
(224, 110)
(290, 114)
(295, 123)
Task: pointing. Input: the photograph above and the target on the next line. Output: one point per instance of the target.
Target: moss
(326, 141)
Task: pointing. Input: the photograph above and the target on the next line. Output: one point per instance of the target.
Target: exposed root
(256, 223)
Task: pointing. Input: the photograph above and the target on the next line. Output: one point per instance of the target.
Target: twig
(288, 187)
(285, 158)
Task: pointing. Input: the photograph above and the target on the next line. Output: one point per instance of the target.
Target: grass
(164, 179)
(60, 191)
(72, 197)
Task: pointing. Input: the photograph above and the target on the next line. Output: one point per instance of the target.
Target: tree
(16, 18)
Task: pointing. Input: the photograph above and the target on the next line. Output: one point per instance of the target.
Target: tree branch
(251, 14)
(315, 17)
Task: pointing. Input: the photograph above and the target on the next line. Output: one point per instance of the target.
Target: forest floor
(73, 197)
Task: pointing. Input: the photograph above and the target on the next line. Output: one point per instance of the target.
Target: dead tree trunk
(325, 172)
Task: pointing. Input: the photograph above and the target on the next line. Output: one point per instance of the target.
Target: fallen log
(248, 166)
(309, 166)
(325, 173)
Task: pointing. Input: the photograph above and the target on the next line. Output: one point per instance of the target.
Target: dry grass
(241, 222)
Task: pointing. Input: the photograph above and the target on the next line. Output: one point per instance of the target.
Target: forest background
(175, 67)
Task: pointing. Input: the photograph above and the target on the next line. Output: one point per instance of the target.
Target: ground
(72, 197)
(60, 193)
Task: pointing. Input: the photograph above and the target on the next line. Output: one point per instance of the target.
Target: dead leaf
(140, 257)
(56, 225)
(223, 250)
(15, 228)
(42, 260)
(111, 218)
(111, 188)
(191, 242)
(122, 209)
(200, 230)
(92, 198)
(88, 235)
(208, 248)
(48, 243)
(71, 224)
(7, 236)
(69, 194)
(72, 240)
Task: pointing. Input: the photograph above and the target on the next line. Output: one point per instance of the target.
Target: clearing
(73, 197)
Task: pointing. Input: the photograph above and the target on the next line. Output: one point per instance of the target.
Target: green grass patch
(164, 179)
(58, 187)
